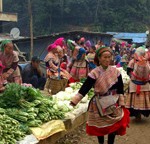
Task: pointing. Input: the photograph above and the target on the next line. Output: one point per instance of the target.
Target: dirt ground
(137, 133)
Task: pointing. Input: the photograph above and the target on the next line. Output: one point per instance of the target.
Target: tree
(50, 16)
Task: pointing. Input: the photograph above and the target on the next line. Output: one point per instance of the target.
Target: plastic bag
(48, 129)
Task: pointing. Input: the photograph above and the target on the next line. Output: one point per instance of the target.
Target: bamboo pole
(31, 28)
(1, 5)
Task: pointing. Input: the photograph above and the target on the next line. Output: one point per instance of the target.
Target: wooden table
(69, 125)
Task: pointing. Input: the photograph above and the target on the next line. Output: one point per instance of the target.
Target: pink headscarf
(82, 39)
(60, 42)
(88, 44)
(123, 44)
(51, 47)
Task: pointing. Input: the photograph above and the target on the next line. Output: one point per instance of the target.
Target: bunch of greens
(14, 94)
(10, 131)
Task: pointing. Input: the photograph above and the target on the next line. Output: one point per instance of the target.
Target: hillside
(50, 16)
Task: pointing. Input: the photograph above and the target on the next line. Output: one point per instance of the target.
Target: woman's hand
(2, 89)
(65, 74)
(72, 104)
(75, 99)
(5, 75)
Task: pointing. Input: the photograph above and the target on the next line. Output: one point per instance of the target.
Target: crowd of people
(70, 61)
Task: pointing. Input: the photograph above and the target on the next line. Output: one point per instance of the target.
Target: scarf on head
(3, 43)
(60, 42)
(139, 54)
(102, 49)
(51, 47)
(81, 52)
(71, 44)
(88, 44)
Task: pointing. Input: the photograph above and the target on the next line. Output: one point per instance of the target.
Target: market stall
(29, 115)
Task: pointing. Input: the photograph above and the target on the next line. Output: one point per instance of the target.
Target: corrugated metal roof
(136, 37)
(4, 36)
(139, 40)
(41, 42)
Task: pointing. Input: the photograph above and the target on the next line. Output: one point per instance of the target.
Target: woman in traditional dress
(79, 67)
(74, 47)
(54, 82)
(52, 65)
(9, 59)
(108, 88)
(138, 99)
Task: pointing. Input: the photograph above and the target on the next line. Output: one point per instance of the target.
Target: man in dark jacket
(32, 74)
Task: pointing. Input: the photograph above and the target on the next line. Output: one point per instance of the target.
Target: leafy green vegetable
(15, 94)
(10, 131)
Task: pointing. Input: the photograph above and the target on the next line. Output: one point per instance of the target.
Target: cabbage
(64, 106)
(84, 99)
(69, 90)
(125, 77)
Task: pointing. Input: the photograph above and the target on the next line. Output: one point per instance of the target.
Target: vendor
(32, 74)
(10, 59)
(54, 82)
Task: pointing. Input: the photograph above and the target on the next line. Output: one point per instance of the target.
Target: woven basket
(55, 85)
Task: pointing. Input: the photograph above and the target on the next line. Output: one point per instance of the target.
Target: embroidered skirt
(100, 126)
(79, 70)
(138, 103)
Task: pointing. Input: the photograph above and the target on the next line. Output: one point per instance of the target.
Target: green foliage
(63, 15)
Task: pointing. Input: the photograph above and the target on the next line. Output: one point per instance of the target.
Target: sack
(107, 104)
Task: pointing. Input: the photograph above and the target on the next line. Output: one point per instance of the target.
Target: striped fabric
(79, 69)
(104, 78)
(138, 102)
(94, 119)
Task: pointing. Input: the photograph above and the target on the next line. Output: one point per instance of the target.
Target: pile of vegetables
(10, 129)
(76, 86)
(14, 95)
(23, 107)
(125, 78)
(28, 106)
(63, 98)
